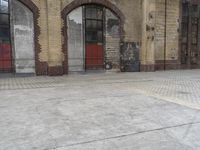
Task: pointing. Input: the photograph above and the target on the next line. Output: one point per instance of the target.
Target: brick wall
(163, 48)
(170, 52)
(112, 53)
(136, 14)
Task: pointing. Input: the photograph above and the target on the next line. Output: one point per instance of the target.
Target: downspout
(165, 35)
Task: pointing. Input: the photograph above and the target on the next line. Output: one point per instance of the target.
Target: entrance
(5, 45)
(190, 40)
(94, 37)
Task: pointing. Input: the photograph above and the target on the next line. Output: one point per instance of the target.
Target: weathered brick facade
(150, 27)
(160, 40)
(52, 25)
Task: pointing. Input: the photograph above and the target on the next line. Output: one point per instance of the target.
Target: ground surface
(106, 111)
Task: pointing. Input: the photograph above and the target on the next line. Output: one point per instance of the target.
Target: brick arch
(77, 3)
(40, 67)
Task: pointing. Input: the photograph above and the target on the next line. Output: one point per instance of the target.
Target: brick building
(56, 37)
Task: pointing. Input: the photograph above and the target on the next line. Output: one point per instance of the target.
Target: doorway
(94, 37)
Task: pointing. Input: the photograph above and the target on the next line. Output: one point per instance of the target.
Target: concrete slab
(101, 112)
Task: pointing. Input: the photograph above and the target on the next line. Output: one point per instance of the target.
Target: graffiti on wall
(130, 57)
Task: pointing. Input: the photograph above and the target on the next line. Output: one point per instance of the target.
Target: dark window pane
(185, 9)
(91, 13)
(184, 54)
(94, 36)
(99, 36)
(88, 13)
(88, 24)
(99, 25)
(91, 36)
(185, 24)
(194, 34)
(94, 12)
(4, 35)
(195, 11)
(99, 14)
(3, 6)
(4, 19)
(93, 25)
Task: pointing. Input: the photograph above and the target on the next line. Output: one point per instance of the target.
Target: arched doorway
(93, 39)
(17, 43)
(92, 32)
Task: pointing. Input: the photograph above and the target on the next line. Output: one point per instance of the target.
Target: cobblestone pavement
(106, 111)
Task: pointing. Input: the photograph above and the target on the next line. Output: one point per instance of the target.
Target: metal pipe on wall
(165, 35)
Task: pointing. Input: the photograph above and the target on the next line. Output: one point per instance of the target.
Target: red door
(94, 37)
(5, 57)
(94, 56)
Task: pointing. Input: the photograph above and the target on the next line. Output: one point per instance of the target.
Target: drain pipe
(165, 35)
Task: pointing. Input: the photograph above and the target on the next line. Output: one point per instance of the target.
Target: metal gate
(190, 39)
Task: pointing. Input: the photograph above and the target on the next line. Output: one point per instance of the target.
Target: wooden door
(94, 37)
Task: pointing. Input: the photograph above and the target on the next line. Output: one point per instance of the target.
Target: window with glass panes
(94, 24)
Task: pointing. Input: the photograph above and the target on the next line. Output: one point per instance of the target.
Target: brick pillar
(54, 37)
(172, 35)
(166, 44)
(148, 36)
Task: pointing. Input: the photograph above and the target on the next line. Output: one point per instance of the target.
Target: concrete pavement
(107, 111)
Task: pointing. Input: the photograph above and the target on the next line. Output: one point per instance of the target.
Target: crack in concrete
(130, 134)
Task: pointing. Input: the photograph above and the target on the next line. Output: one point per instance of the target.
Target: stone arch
(77, 3)
(39, 66)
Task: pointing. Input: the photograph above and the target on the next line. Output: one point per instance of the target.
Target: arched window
(93, 38)
(22, 30)
(16, 53)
